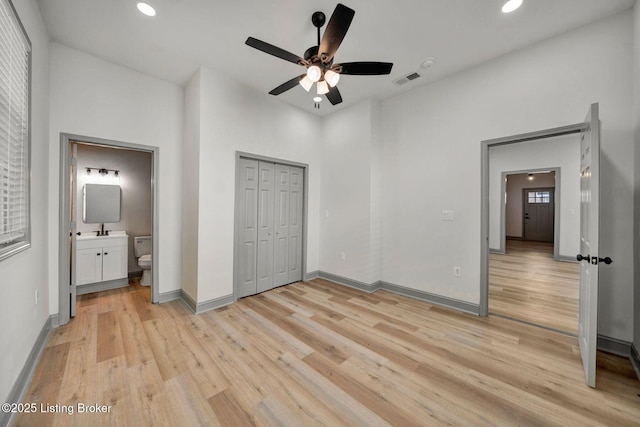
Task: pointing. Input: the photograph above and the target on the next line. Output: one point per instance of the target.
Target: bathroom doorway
(98, 253)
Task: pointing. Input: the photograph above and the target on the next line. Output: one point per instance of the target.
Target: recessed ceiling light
(317, 99)
(146, 9)
(511, 5)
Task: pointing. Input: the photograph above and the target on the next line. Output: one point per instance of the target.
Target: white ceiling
(188, 33)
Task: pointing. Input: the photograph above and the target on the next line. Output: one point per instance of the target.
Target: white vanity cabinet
(101, 259)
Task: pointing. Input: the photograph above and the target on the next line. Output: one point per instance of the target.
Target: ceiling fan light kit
(323, 87)
(306, 83)
(314, 73)
(318, 60)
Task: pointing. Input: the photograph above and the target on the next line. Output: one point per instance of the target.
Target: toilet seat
(144, 261)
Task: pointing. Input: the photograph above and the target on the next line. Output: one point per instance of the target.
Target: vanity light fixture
(530, 177)
(104, 171)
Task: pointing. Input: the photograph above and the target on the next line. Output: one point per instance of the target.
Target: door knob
(587, 258)
(606, 260)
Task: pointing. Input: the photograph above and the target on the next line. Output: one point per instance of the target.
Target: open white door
(73, 171)
(588, 257)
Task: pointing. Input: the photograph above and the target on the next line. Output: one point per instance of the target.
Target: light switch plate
(447, 215)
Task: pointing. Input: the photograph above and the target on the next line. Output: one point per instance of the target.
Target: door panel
(589, 233)
(265, 227)
(539, 214)
(248, 215)
(281, 247)
(73, 178)
(295, 224)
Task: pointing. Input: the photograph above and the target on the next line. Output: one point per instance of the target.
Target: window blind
(15, 59)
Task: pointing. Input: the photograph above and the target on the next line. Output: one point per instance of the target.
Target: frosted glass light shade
(314, 73)
(323, 87)
(306, 83)
(331, 77)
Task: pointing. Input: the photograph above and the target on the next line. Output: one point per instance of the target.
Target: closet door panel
(248, 215)
(296, 192)
(265, 227)
(281, 246)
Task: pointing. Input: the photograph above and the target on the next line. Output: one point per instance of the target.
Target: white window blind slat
(14, 131)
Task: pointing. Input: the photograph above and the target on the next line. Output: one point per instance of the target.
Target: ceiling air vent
(406, 79)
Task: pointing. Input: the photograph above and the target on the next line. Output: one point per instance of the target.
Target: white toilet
(142, 248)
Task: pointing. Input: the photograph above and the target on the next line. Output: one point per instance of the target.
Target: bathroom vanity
(101, 262)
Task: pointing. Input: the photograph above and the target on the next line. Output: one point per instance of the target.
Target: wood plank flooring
(527, 284)
(318, 353)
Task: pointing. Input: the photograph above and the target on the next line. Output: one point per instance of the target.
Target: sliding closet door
(248, 220)
(281, 244)
(296, 189)
(265, 226)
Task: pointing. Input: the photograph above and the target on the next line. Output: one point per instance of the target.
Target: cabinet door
(88, 266)
(114, 263)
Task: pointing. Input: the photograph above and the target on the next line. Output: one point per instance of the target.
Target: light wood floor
(318, 353)
(527, 284)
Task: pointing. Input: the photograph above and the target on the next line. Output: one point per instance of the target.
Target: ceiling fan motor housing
(318, 19)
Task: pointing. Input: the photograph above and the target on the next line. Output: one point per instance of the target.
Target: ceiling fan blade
(334, 96)
(275, 51)
(369, 68)
(287, 85)
(334, 33)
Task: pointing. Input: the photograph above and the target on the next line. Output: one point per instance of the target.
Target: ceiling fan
(318, 60)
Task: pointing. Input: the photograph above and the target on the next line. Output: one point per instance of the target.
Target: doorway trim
(236, 218)
(64, 259)
(484, 195)
(556, 211)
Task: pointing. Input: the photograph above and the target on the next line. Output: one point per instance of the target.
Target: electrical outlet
(343, 256)
(36, 297)
(457, 271)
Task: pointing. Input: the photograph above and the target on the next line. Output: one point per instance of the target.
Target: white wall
(636, 125)
(562, 152)
(350, 200)
(95, 98)
(135, 183)
(431, 151)
(191, 187)
(25, 273)
(234, 118)
(514, 187)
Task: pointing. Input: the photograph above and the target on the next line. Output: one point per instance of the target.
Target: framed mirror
(101, 203)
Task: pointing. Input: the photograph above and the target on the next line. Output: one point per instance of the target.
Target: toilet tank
(142, 245)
